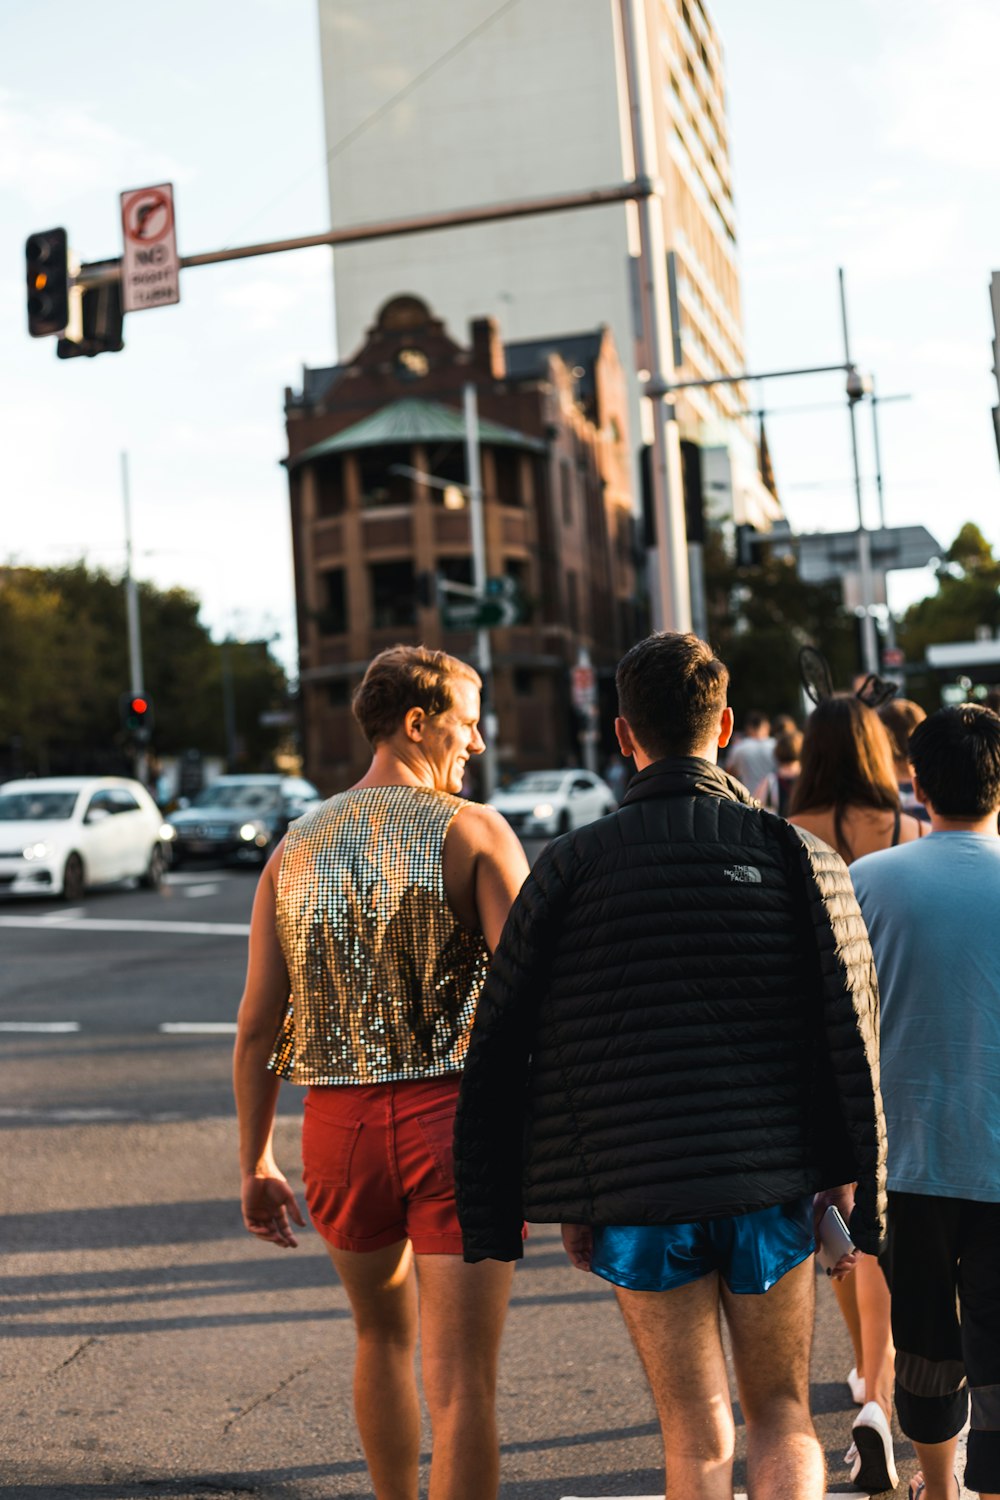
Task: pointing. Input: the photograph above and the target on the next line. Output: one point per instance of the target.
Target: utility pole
(136, 686)
(673, 607)
(869, 640)
(484, 649)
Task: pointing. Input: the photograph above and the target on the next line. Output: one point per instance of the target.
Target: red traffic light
(138, 705)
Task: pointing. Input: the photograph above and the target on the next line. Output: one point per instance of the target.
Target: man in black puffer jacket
(676, 1049)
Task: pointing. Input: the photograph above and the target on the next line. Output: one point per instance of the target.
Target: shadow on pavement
(129, 1225)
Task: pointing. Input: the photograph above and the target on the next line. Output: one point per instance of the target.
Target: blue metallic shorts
(750, 1251)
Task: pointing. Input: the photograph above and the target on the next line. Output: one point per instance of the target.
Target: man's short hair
(755, 720)
(405, 677)
(671, 690)
(956, 757)
(901, 717)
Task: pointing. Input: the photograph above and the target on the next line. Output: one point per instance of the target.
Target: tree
(63, 643)
(759, 619)
(967, 596)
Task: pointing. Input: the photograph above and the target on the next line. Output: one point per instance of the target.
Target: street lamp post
(484, 650)
(135, 673)
(857, 387)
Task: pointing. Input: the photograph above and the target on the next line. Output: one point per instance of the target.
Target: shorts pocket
(327, 1149)
(438, 1132)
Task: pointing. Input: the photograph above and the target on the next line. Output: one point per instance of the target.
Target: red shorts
(377, 1164)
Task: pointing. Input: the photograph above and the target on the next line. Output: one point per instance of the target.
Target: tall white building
(438, 104)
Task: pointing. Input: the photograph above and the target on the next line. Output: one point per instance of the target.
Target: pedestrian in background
(753, 758)
(775, 791)
(931, 909)
(369, 944)
(648, 1067)
(901, 717)
(847, 795)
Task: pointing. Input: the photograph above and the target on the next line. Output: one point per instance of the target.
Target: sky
(862, 136)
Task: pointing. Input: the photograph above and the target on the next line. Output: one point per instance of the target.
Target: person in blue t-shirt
(932, 908)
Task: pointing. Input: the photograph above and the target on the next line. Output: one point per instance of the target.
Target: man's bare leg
(771, 1337)
(462, 1311)
(874, 1308)
(678, 1338)
(382, 1290)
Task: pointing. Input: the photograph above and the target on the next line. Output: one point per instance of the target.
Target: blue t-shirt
(932, 908)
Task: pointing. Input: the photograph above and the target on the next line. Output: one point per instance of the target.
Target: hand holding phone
(834, 1240)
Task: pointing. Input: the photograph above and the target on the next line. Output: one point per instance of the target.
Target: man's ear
(623, 734)
(726, 726)
(413, 724)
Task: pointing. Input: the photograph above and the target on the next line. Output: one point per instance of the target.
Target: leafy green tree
(967, 596)
(759, 619)
(64, 648)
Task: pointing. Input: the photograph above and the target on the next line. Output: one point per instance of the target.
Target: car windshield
(36, 807)
(537, 781)
(247, 795)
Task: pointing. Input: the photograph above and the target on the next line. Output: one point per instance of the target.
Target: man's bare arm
(484, 868)
(268, 1201)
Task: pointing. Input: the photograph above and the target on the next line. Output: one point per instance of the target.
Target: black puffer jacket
(680, 1022)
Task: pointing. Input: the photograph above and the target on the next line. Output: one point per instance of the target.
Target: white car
(542, 803)
(61, 834)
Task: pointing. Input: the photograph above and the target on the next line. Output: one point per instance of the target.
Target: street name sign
(500, 606)
(151, 270)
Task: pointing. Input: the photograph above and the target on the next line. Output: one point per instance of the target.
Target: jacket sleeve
(489, 1125)
(855, 1143)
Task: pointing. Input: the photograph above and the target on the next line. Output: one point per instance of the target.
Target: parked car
(238, 819)
(542, 803)
(60, 835)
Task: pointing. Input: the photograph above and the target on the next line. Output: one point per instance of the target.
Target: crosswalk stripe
(198, 1028)
(111, 924)
(46, 1026)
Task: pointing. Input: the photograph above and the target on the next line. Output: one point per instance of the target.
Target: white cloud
(935, 85)
(54, 151)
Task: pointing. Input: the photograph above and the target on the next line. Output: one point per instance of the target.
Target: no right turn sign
(150, 263)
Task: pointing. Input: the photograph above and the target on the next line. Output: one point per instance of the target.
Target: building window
(456, 569)
(394, 601)
(566, 492)
(329, 475)
(573, 602)
(380, 483)
(338, 692)
(333, 609)
(507, 472)
(524, 682)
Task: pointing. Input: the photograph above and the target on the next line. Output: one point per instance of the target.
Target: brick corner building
(559, 517)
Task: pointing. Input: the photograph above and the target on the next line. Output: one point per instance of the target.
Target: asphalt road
(148, 1346)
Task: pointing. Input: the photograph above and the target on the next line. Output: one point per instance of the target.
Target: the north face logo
(743, 874)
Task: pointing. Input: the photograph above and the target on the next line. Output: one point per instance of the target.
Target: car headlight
(167, 832)
(543, 810)
(37, 851)
(249, 832)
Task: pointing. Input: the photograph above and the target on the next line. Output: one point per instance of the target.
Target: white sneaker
(856, 1383)
(874, 1467)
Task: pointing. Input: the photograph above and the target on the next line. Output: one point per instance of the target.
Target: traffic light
(137, 715)
(47, 256)
(100, 324)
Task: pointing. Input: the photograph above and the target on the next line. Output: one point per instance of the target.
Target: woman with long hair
(847, 794)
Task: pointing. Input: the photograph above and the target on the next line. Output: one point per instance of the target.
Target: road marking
(39, 1026)
(85, 1116)
(109, 924)
(68, 915)
(186, 879)
(198, 1028)
(194, 891)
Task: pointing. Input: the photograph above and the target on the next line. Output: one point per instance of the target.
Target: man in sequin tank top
(371, 933)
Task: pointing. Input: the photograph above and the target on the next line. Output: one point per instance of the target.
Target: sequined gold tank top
(384, 977)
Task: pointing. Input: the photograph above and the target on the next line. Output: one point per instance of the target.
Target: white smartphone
(834, 1240)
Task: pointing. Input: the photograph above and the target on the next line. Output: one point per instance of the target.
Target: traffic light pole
(484, 648)
(136, 686)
